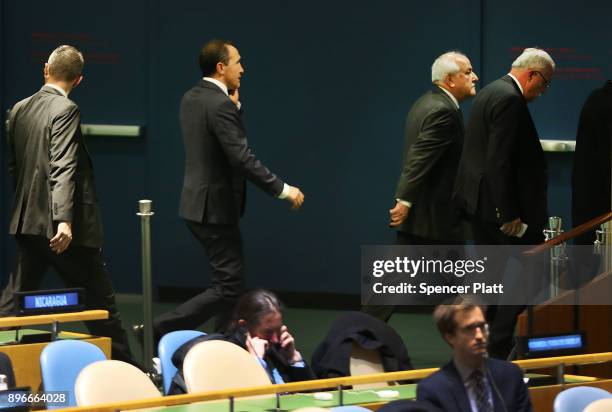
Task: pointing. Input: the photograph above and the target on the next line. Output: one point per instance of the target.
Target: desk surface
(12, 321)
(299, 400)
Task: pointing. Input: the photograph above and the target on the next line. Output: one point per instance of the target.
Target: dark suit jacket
(434, 139)
(445, 389)
(502, 172)
(331, 358)
(591, 170)
(218, 158)
(51, 170)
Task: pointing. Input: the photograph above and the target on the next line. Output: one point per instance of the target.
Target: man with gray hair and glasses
(55, 216)
(423, 213)
(501, 182)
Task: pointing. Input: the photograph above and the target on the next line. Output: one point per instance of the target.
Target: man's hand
(60, 242)
(512, 228)
(287, 344)
(234, 95)
(398, 214)
(296, 197)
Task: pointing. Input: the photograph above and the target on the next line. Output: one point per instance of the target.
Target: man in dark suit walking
(434, 138)
(501, 181)
(218, 163)
(471, 381)
(423, 212)
(55, 217)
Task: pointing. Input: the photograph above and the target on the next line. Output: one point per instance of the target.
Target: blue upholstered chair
(62, 361)
(577, 398)
(168, 344)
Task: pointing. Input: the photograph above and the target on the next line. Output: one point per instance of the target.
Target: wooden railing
(570, 234)
(327, 383)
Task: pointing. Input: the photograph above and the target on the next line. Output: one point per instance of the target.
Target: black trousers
(502, 318)
(223, 246)
(384, 312)
(78, 267)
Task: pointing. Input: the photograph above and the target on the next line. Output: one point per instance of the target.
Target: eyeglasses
(471, 329)
(546, 82)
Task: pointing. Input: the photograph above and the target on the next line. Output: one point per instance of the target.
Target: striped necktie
(480, 392)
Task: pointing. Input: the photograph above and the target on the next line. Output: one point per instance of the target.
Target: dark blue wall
(326, 90)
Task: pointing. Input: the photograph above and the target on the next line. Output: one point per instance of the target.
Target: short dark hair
(444, 315)
(65, 63)
(253, 306)
(211, 53)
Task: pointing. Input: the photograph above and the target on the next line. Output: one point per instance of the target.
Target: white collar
(453, 98)
(56, 87)
(222, 86)
(517, 83)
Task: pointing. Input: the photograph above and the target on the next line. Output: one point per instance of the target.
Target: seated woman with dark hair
(257, 327)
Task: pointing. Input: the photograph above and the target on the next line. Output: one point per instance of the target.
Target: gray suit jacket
(434, 139)
(218, 159)
(51, 170)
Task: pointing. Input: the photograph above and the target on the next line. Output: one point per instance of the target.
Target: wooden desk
(193, 402)
(26, 357)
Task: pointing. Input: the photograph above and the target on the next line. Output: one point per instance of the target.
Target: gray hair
(66, 63)
(444, 65)
(533, 58)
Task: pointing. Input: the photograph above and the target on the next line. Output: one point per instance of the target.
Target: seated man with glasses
(471, 381)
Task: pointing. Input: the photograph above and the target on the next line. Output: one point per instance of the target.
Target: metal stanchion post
(145, 212)
(603, 246)
(557, 255)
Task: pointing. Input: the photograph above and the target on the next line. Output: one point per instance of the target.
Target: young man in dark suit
(218, 162)
(501, 181)
(471, 381)
(55, 217)
(423, 212)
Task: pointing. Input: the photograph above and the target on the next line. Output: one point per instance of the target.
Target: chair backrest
(217, 365)
(577, 398)
(602, 405)
(112, 381)
(168, 344)
(365, 362)
(62, 361)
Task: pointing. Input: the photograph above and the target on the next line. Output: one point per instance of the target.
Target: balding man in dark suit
(55, 217)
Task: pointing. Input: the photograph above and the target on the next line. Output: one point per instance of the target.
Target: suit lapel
(456, 387)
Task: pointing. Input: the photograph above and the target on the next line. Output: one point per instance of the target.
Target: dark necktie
(480, 392)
